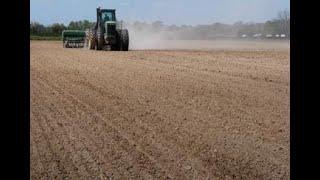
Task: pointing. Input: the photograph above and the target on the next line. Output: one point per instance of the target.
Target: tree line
(55, 29)
(278, 25)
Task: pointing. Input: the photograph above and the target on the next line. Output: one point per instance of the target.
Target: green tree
(37, 28)
(57, 29)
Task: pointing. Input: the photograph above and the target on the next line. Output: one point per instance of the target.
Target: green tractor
(107, 33)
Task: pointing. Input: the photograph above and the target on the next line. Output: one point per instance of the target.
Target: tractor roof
(107, 10)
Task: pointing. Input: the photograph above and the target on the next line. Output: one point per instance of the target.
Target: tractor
(107, 33)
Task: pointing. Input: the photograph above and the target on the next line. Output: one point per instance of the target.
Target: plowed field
(159, 114)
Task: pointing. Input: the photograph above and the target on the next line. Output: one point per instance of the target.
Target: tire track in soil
(41, 135)
(245, 165)
(233, 91)
(205, 71)
(36, 164)
(153, 139)
(123, 146)
(65, 155)
(203, 161)
(85, 108)
(162, 147)
(69, 145)
(121, 120)
(157, 137)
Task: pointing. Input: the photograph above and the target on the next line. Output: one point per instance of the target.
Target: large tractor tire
(124, 40)
(100, 38)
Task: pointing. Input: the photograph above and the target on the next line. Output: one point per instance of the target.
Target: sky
(178, 12)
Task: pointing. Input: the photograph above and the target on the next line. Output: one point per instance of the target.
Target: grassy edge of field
(45, 38)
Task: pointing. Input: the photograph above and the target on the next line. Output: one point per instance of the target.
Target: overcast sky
(189, 12)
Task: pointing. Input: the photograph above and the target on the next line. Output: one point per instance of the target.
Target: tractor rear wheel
(100, 38)
(123, 40)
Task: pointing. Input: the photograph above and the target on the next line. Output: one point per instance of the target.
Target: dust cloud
(143, 39)
(148, 38)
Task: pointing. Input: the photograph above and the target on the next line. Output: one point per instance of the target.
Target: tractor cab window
(108, 16)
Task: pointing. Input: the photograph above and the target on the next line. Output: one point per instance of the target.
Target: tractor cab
(107, 15)
(106, 19)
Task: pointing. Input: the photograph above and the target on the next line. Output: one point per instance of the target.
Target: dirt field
(183, 114)
(239, 45)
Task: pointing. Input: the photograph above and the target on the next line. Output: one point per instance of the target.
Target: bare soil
(159, 114)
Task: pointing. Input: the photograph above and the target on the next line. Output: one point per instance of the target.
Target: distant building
(257, 35)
